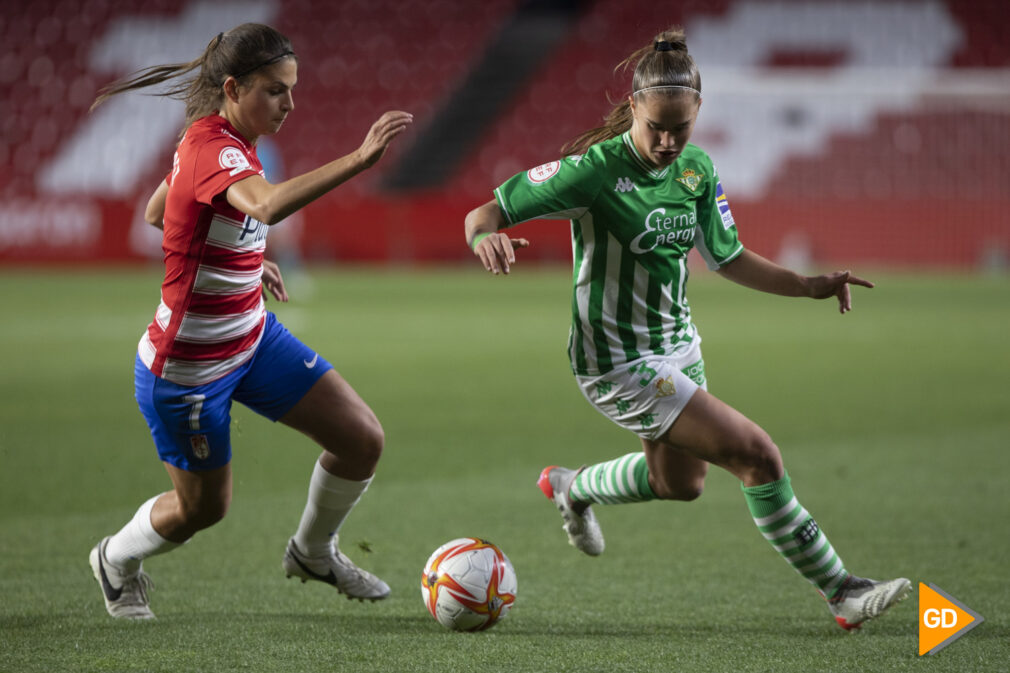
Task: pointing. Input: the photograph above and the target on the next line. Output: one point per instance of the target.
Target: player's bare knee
(682, 490)
(204, 513)
(761, 457)
(690, 490)
(371, 441)
(359, 442)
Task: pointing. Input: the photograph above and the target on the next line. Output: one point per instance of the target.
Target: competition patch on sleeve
(543, 172)
(233, 159)
(723, 204)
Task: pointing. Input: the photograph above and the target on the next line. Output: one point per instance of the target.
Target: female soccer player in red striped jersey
(639, 197)
(212, 340)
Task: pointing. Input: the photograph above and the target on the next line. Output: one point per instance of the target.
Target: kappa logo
(690, 179)
(625, 185)
(233, 159)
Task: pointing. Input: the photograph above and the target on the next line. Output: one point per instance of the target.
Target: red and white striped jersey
(211, 314)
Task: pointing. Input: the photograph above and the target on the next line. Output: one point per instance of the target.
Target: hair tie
(269, 61)
(666, 86)
(663, 45)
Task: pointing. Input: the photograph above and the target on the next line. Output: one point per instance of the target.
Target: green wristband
(477, 239)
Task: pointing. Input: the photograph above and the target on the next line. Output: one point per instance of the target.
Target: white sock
(137, 540)
(331, 498)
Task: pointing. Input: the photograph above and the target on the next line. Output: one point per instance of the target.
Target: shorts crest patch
(200, 446)
(665, 387)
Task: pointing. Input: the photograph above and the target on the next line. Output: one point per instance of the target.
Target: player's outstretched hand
(836, 285)
(273, 282)
(497, 251)
(387, 127)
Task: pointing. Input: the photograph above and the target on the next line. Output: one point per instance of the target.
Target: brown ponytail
(663, 62)
(237, 53)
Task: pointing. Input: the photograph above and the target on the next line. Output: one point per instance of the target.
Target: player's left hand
(382, 132)
(836, 285)
(273, 282)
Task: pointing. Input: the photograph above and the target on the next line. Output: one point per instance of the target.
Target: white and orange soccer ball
(468, 584)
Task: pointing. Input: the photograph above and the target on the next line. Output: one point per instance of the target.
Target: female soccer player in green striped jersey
(639, 197)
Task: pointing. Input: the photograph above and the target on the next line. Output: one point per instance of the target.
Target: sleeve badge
(543, 172)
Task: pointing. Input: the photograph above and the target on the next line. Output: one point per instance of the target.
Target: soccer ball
(468, 584)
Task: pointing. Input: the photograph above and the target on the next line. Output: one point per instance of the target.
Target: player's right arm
(561, 189)
(495, 250)
(270, 203)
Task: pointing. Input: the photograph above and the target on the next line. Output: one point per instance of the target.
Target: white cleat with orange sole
(580, 523)
(861, 599)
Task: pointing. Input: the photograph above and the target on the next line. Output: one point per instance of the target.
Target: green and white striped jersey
(632, 227)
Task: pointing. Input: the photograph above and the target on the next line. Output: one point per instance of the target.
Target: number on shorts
(194, 412)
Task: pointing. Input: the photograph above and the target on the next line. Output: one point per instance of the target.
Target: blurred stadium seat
(851, 131)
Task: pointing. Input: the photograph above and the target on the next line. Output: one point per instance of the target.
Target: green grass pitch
(893, 420)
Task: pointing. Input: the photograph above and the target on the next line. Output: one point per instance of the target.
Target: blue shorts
(191, 424)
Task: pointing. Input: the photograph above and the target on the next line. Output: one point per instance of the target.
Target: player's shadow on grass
(522, 626)
(693, 631)
(351, 623)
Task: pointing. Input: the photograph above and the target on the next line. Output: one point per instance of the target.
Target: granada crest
(200, 446)
(690, 179)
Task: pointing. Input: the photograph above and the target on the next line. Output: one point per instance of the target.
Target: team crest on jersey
(690, 179)
(233, 159)
(543, 172)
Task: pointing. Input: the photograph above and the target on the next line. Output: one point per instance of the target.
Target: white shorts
(646, 395)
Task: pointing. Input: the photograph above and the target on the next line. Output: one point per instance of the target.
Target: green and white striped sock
(622, 480)
(795, 535)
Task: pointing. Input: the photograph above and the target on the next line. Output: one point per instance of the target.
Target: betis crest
(690, 179)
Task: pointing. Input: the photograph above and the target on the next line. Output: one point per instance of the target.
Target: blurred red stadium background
(858, 132)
